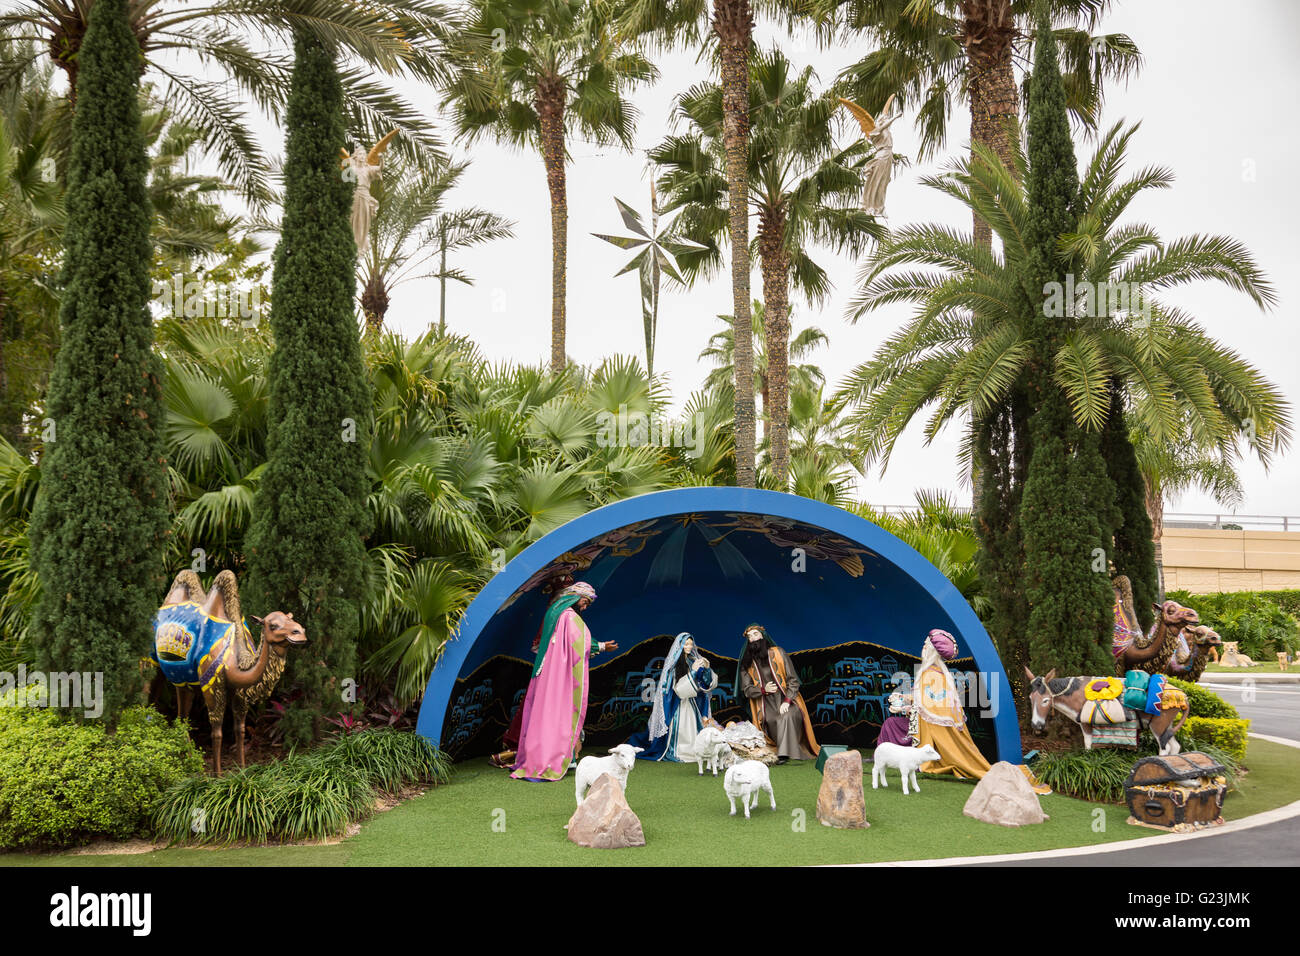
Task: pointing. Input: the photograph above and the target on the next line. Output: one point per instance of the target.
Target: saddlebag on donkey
(1177, 792)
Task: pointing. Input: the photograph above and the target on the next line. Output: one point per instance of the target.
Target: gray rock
(605, 821)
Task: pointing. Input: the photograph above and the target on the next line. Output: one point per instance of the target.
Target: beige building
(1205, 560)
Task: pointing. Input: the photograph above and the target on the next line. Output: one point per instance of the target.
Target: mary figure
(681, 704)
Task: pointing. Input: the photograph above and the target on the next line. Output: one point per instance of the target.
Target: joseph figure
(769, 681)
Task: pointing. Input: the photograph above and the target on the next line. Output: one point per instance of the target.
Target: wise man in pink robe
(556, 703)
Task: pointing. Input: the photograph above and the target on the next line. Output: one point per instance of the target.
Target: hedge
(1227, 734)
(1261, 622)
(64, 783)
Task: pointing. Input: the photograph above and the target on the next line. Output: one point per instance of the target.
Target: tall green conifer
(305, 547)
(98, 528)
(1066, 512)
(1135, 550)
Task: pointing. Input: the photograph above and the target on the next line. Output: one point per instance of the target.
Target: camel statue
(1189, 660)
(1152, 654)
(201, 641)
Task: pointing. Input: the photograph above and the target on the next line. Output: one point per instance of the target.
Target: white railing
(1230, 522)
(1173, 519)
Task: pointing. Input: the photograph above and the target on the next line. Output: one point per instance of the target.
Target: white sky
(1215, 99)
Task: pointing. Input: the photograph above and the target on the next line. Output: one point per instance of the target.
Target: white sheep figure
(618, 764)
(712, 748)
(906, 759)
(745, 780)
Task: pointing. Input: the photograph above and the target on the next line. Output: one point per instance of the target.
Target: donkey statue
(201, 642)
(1066, 694)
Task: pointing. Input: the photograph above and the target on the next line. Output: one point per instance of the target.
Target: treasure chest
(1180, 792)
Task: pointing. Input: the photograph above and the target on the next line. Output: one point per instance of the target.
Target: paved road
(1274, 711)
(1274, 844)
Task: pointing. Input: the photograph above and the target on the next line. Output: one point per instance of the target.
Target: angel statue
(881, 164)
(364, 168)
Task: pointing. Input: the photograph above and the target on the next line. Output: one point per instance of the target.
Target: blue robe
(677, 710)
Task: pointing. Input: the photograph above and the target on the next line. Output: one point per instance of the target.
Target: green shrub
(1096, 775)
(1202, 702)
(1224, 733)
(64, 783)
(306, 796)
(1261, 622)
(390, 759)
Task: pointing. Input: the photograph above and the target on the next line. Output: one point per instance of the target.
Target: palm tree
(821, 455)
(535, 73)
(967, 345)
(458, 229)
(722, 354)
(190, 226)
(31, 216)
(929, 52)
(1171, 468)
(804, 189)
(411, 227)
(944, 535)
(731, 24)
(405, 37)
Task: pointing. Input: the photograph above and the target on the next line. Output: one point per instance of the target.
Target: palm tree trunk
(776, 309)
(989, 34)
(442, 280)
(733, 22)
(550, 114)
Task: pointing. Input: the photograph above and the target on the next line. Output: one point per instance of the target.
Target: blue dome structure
(851, 603)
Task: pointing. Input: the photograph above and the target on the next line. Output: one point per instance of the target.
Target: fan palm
(721, 352)
(404, 37)
(536, 73)
(967, 346)
(803, 187)
(821, 457)
(944, 536)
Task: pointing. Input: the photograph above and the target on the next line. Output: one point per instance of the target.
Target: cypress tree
(1135, 551)
(305, 547)
(1066, 581)
(98, 528)
(1001, 454)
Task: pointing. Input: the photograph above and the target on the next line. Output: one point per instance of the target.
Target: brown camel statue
(1153, 653)
(1189, 660)
(201, 642)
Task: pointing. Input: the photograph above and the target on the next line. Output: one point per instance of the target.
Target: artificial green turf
(483, 818)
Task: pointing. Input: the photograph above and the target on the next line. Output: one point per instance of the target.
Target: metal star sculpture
(655, 258)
